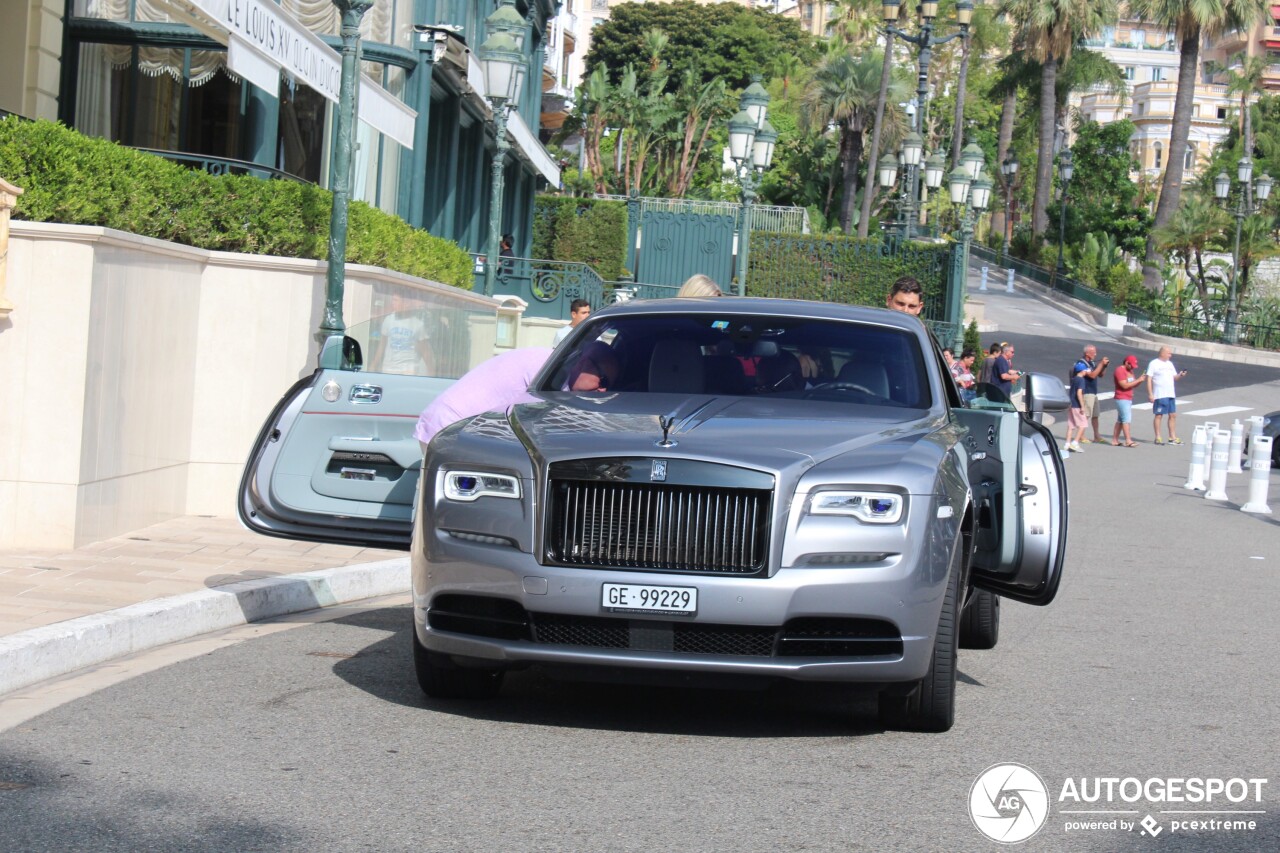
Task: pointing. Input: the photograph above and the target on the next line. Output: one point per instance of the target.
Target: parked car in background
(766, 489)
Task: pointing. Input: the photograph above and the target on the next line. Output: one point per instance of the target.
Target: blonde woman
(700, 285)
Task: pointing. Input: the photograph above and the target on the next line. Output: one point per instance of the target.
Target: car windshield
(746, 355)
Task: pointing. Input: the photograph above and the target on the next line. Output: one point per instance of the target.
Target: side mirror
(1045, 393)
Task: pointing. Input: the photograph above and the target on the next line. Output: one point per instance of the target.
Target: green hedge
(846, 270)
(590, 231)
(82, 180)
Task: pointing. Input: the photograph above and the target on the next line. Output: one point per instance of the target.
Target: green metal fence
(551, 286)
(1211, 328)
(1060, 283)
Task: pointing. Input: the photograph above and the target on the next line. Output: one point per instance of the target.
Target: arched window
(1189, 159)
(1157, 155)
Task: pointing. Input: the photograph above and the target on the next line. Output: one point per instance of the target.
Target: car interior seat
(869, 375)
(676, 367)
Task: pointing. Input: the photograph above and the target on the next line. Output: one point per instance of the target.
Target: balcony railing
(221, 165)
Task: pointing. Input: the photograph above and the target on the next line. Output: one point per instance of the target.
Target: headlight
(869, 507)
(469, 485)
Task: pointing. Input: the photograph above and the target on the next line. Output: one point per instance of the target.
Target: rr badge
(658, 470)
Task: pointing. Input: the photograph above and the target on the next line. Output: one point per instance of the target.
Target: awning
(263, 39)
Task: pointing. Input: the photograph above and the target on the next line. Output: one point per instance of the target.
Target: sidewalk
(61, 611)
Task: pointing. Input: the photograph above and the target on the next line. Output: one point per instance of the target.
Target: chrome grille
(661, 526)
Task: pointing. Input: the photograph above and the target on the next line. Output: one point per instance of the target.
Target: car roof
(770, 307)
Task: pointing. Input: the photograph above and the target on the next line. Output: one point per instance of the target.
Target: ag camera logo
(1009, 803)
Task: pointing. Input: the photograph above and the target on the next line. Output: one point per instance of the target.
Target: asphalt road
(1157, 660)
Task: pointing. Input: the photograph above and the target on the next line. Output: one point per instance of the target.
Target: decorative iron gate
(674, 245)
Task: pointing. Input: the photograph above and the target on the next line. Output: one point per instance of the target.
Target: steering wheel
(844, 386)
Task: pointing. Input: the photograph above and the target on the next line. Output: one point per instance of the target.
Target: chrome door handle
(366, 394)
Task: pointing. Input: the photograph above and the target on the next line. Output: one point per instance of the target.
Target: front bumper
(904, 592)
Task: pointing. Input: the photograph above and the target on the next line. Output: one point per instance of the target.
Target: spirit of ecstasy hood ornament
(666, 423)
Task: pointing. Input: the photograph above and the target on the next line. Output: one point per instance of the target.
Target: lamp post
(340, 179)
(1009, 168)
(1065, 170)
(504, 70)
(935, 167)
(1222, 189)
(969, 187)
(924, 42)
(751, 143)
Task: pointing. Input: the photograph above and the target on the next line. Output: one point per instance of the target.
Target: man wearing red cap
(1126, 380)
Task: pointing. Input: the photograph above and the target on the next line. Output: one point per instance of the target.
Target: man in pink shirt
(496, 384)
(503, 381)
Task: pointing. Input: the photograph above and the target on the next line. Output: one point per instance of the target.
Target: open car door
(337, 462)
(1019, 492)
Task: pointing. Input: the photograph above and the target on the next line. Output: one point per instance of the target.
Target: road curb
(32, 656)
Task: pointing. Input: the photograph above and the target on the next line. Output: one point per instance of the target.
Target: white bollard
(983, 285)
(1236, 449)
(1218, 466)
(1195, 474)
(1210, 427)
(1008, 284)
(1256, 423)
(1260, 474)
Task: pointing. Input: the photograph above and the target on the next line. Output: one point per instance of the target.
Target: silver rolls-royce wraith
(700, 487)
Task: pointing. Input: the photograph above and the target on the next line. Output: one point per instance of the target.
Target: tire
(980, 624)
(440, 678)
(931, 705)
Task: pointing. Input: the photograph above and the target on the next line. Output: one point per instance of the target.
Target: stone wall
(137, 372)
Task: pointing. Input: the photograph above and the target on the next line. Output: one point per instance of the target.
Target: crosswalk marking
(1145, 406)
(1221, 410)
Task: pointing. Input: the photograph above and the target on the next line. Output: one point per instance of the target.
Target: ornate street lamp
(331, 325)
(972, 157)
(924, 42)
(958, 183)
(1222, 189)
(888, 169)
(934, 168)
(1065, 171)
(751, 143)
(504, 72)
(1009, 168)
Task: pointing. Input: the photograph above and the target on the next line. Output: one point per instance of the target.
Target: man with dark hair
(579, 310)
(906, 296)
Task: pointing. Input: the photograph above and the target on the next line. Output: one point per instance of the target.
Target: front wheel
(980, 624)
(931, 705)
(439, 678)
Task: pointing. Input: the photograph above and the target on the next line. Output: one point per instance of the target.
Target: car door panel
(1020, 504)
(337, 461)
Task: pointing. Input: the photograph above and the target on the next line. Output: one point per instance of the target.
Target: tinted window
(747, 355)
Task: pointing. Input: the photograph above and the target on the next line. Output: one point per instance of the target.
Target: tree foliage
(721, 40)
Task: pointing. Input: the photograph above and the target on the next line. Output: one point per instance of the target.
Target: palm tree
(1191, 20)
(1049, 29)
(877, 127)
(843, 93)
(1196, 223)
(1244, 75)
(984, 33)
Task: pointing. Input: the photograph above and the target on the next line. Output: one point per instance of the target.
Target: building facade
(141, 73)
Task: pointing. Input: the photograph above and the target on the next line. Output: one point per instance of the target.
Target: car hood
(784, 436)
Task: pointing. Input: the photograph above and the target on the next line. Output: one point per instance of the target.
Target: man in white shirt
(579, 310)
(1161, 379)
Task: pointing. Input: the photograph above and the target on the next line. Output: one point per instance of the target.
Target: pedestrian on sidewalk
(1003, 374)
(962, 372)
(579, 310)
(988, 364)
(1125, 381)
(1162, 377)
(1077, 419)
(1091, 368)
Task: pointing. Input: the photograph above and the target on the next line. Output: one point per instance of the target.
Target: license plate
(643, 598)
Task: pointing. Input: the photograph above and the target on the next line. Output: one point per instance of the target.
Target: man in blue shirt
(1089, 368)
(1002, 373)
